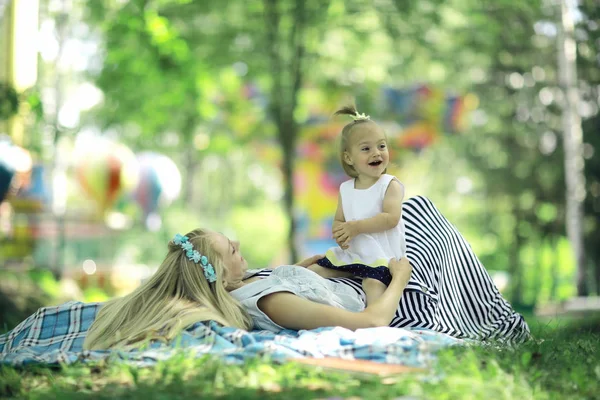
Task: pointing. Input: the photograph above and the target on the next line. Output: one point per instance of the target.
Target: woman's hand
(344, 232)
(309, 261)
(400, 269)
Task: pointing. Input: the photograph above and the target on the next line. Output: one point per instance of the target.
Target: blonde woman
(196, 281)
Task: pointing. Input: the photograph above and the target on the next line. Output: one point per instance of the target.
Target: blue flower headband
(196, 257)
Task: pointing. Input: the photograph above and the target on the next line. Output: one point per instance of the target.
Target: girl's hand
(309, 261)
(335, 225)
(344, 233)
(341, 244)
(400, 269)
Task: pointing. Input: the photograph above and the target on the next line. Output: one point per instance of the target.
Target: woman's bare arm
(309, 261)
(293, 312)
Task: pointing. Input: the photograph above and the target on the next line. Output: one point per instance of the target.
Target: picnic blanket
(55, 335)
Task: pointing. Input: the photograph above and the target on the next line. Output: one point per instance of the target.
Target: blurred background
(123, 122)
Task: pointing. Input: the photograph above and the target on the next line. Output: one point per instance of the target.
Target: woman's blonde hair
(175, 297)
(344, 140)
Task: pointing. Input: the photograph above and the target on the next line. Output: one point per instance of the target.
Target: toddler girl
(368, 224)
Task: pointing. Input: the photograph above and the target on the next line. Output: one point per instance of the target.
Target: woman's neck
(234, 285)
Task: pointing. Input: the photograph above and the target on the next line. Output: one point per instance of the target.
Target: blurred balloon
(106, 171)
(15, 167)
(6, 176)
(159, 182)
(33, 195)
(7, 171)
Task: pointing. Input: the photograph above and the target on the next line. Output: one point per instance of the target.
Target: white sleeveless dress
(368, 254)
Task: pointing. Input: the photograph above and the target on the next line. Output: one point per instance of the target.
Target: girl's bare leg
(373, 289)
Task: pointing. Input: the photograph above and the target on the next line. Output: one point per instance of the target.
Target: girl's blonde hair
(175, 297)
(344, 141)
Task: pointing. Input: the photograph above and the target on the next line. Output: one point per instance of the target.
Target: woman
(203, 277)
(193, 284)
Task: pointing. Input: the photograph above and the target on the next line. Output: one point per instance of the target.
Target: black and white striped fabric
(449, 291)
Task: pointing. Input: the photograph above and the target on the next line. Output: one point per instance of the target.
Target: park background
(123, 122)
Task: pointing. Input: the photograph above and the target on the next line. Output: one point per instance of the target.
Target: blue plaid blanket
(55, 335)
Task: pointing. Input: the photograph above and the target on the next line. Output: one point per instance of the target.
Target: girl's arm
(392, 211)
(338, 220)
(293, 312)
(339, 213)
(389, 218)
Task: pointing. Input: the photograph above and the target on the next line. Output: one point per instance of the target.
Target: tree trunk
(284, 93)
(191, 164)
(572, 142)
(59, 201)
(514, 268)
(191, 161)
(287, 138)
(538, 274)
(554, 271)
(597, 277)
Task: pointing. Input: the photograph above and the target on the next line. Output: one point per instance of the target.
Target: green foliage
(22, 293)
(9, 101)
(46, 282)
(94, 294)
(262, 241)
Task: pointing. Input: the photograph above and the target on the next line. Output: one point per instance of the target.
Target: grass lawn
(563, 363)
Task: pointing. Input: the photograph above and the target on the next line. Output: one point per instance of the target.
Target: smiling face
(232, 258)
(367, 152)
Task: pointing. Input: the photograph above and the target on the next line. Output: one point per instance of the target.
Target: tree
(572, 140)
(587, 34)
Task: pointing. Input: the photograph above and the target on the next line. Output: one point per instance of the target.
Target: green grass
(563, 363)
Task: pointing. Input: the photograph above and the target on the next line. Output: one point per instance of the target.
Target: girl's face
(232, 258)
(368, 151)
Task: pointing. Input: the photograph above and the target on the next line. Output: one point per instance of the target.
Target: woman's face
(233, 261)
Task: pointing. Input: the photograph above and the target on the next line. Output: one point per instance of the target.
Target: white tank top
(372, 249)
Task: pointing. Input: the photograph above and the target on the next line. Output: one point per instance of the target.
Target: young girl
(367, 226)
